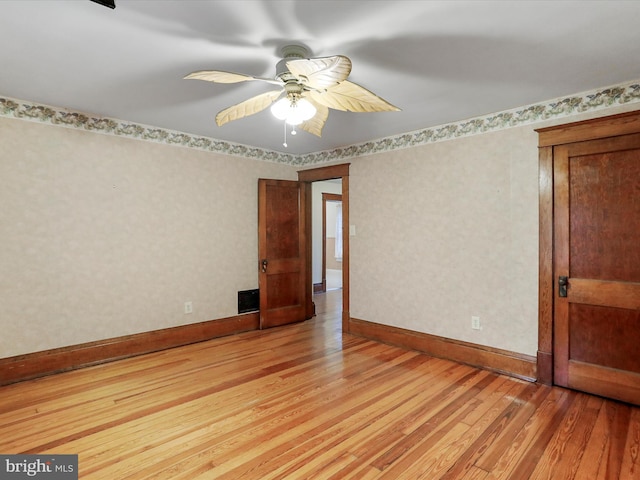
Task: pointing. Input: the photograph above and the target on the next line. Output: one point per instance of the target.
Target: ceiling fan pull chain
(284, 144)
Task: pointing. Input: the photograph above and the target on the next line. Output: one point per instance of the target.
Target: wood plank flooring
(304, 401)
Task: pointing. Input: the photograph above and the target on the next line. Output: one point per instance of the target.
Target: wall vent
(248, 301)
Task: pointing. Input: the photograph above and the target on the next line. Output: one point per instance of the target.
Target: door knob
(264, 265)
(563, 283)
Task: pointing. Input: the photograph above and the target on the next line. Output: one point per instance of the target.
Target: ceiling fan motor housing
(289, 52)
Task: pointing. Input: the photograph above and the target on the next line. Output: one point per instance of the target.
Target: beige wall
(105, 236)
(448, 231)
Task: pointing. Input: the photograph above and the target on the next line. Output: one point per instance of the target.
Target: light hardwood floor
(305, 401)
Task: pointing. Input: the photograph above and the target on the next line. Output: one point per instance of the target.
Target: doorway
(331, 241)
(334, 173)
(326, 236)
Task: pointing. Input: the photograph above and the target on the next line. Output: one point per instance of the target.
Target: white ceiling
(439, 61)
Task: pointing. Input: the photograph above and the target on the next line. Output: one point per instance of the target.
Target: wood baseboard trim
(48, 362)
(545, 368)
(500, 361)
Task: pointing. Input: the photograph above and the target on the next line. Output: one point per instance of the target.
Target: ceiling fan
(308, 88)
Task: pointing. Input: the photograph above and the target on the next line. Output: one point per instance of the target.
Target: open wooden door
(596, 198)
(282, 252)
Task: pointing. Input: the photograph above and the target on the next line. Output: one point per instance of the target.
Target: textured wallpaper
(105, 236)
(448, 231)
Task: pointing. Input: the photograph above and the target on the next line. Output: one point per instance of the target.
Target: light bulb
(293, 114)
(280, 109)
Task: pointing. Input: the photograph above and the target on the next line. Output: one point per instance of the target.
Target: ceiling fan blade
(320, 73)
(219, 76)
(351, 97)
(315, 124)
(248, 107)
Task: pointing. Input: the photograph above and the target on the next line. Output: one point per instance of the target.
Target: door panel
(281, 252)
(605, 293)
(605, 202)
(597, 246)
(604, 336)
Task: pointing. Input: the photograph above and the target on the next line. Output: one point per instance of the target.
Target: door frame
(326, 198)
(309, 176)
(548, 138)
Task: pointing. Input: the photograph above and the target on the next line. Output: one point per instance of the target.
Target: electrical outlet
(475, 323)
(188, 307)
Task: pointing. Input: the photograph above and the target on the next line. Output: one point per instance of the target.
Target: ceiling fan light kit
(308, 88)
(294, 112)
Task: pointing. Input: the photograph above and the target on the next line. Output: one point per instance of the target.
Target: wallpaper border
(593, 100)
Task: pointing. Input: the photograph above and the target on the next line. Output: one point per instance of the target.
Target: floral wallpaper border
(561, 107)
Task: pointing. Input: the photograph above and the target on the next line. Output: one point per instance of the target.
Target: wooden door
(282, 252)
(597, 261)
